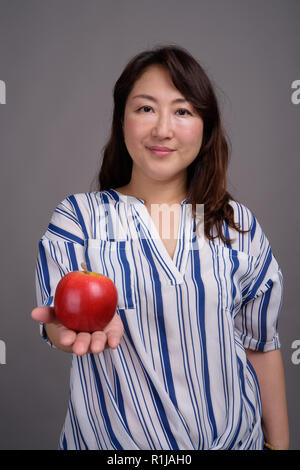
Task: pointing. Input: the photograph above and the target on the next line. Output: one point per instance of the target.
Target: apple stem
(85, 269)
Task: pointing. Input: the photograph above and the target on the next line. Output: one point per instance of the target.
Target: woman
(191, 359)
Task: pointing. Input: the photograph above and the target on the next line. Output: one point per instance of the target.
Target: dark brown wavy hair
(206, 175)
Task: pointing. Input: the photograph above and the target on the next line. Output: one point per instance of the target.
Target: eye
(184, 110)
(144, 107)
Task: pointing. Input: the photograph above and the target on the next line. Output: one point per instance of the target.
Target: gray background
(60, 60)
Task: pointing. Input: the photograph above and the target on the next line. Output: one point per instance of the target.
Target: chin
(156, 170)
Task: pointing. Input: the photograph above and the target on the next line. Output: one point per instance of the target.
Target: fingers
(67, 337)
(82, 343)
(113, 339)
(114, 331)
(98, 342)
(94, 343)
(44, 314)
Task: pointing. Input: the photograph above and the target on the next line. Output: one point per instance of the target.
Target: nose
(162, 127)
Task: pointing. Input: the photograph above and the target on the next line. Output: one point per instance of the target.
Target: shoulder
(82, 211)
(72, 205)
(80, 199)
(247, 221)
(73, 216)
(243, 216)
(86, 202)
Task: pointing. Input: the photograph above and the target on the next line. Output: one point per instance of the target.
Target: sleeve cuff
(45, 337)
(264, 346)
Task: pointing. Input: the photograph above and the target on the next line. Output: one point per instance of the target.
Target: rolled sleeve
(257, 320)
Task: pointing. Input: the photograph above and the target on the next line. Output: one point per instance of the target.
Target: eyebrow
(151, 98)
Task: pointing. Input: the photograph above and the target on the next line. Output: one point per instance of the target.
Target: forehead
(155, 77)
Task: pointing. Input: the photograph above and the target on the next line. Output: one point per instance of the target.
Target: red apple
(85, 301)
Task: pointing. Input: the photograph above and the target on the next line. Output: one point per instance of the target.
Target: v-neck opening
(160, 239)
(175, 267)
(133, 198)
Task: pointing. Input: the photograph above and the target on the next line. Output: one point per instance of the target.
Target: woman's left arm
(269, 370)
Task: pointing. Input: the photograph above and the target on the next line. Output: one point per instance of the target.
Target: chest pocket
(114, 259)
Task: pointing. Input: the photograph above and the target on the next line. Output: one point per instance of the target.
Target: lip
(161, 151)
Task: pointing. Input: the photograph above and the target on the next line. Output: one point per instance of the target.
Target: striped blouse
(180, 378)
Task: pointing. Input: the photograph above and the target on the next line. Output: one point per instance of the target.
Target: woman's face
(162, 119)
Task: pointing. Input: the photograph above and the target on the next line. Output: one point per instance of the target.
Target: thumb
(44, 314)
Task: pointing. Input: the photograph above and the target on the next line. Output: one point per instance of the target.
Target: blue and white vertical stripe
(180, 378)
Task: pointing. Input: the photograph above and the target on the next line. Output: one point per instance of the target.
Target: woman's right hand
(79, 343)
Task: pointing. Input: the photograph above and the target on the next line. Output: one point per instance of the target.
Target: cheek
(133, 128)
(192, 134)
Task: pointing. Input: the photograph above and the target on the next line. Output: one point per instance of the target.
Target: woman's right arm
(79, 343)
(61, 250)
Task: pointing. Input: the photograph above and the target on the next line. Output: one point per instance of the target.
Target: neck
(156, 192)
